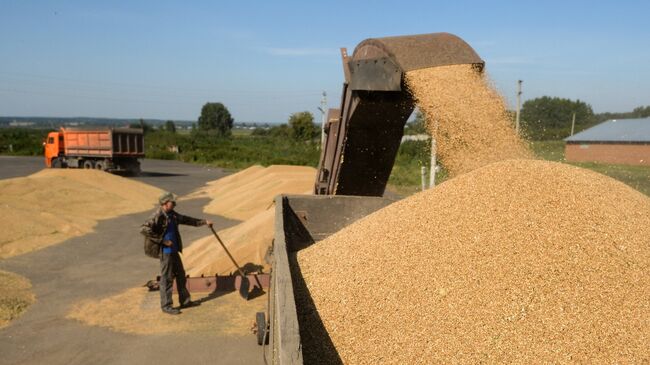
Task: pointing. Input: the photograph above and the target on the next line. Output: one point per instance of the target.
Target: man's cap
(166, 197)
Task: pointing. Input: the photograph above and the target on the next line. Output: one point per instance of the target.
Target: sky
(268, 59)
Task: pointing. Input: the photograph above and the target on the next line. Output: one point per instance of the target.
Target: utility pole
(433, 169)
(573, 123)
(423, 175)
(323, 111)
(518, 105)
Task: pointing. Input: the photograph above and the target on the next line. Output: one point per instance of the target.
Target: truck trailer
(109, 149)
(362, 138)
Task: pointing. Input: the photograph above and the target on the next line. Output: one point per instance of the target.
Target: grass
(236, 152)
(239, 132)
(22, 141)
(548, 150)
(637, 177)
(405, 178)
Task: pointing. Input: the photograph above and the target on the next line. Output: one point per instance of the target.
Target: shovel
(244, 286)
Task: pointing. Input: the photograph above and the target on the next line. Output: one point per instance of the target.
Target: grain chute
(362, 137)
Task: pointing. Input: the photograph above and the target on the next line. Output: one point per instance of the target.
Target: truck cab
(53, 146)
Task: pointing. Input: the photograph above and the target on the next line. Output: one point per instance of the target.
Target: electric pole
(323, 111)
(518, 105)
(433, 169)
(573, 123)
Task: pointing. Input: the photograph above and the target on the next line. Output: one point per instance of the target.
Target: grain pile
(247, 195)
(15, 296)
(56, 204)
(520, 261)
(466, 116)
(248, 242)
(219, 314)
(249, 192)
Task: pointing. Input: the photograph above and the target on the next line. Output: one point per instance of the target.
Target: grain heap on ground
(251, 191)
(247, 195)
(466, 116)
(248, 242)
(137, 311)
(520, 261)
(15, 296)
(51, 206)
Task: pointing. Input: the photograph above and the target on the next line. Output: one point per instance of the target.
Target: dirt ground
(106, 264)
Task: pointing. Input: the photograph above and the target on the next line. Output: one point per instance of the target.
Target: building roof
(616, 130)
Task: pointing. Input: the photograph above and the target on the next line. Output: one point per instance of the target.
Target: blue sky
(267, 59)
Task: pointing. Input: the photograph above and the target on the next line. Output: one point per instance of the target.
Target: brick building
(622, 141)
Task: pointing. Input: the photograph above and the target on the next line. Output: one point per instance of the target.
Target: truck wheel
(260, 320)
(88, 164)
(56, 164)
(99, 165)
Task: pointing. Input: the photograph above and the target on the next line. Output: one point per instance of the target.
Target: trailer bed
(296, 334)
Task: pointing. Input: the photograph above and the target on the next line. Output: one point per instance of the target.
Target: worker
(162, 226)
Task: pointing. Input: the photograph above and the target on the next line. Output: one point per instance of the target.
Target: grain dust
(520, 261)
(466, 116)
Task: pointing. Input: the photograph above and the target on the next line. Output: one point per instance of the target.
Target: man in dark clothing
(162, 227)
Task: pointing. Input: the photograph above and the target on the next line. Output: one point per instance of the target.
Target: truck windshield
(50, 140)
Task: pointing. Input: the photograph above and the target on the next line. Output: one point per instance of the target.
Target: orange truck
(109, 149)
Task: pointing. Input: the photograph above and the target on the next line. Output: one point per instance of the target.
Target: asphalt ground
(101, 264)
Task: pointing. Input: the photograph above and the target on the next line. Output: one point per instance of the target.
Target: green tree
(216, 117)
(146, 127)
(302, 126)
(638, 112)
(170, 126)
(418, 125)
(641, 112)
(550, 117)
(280, 131)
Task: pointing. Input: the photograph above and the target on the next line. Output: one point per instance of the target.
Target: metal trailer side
(301, 221)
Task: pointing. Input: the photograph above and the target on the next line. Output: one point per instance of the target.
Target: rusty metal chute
(362, 137)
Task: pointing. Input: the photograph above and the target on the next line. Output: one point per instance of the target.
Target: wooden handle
(241, 272)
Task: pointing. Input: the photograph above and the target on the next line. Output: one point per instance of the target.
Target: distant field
(243, 150)
(405, 178)
(637, 177)
(241, 132)
(548, 150)
(235, 132)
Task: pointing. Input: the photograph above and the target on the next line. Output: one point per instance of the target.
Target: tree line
(215, 120)
(549, 118)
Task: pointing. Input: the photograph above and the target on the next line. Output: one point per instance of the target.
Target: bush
(23, 141)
